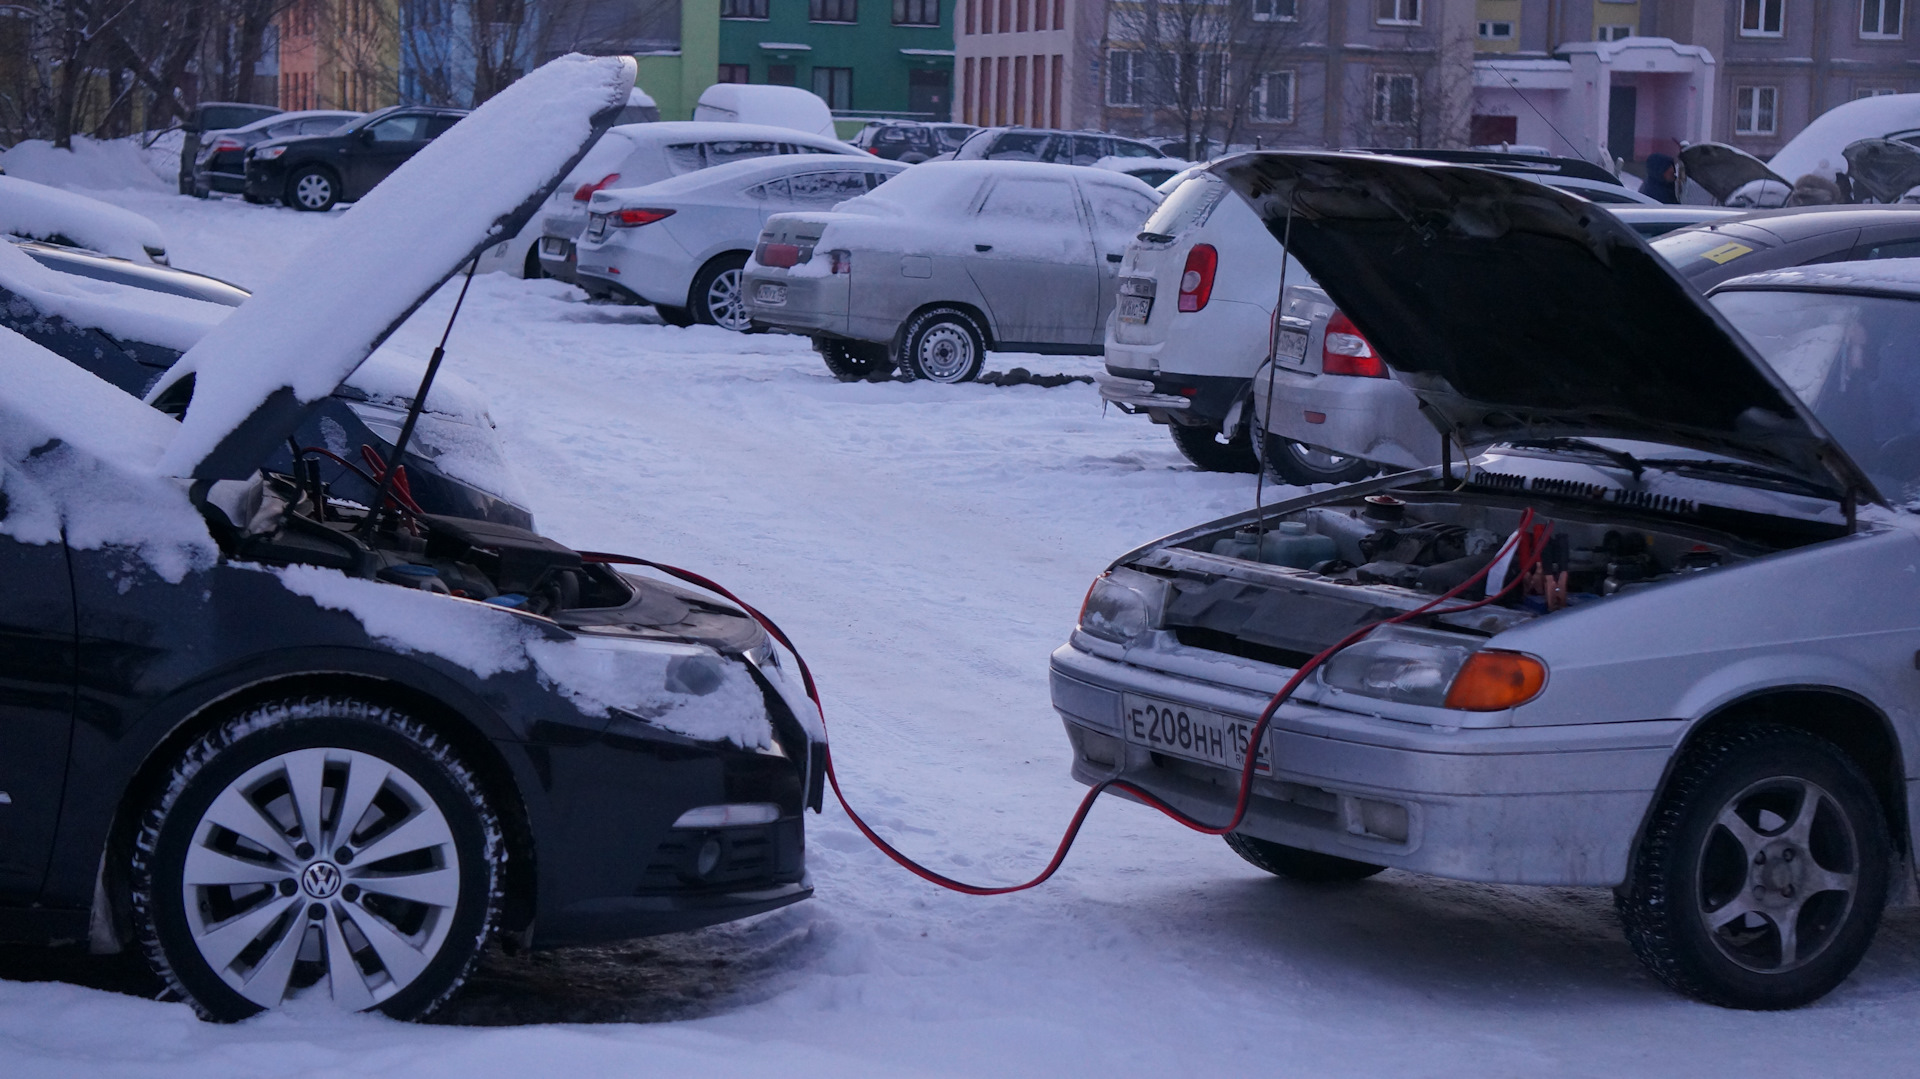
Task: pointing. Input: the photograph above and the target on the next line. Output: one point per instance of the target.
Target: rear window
(1698, 251)
(721, 152)
(950, 138)
(1124, 148)
(1019, 146)
(1188, 206)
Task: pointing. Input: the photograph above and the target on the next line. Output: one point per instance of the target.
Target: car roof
(1896, 277)
(304, 114)
(676, 131)
(1523, 164)
(754, 170)
(1801, 222)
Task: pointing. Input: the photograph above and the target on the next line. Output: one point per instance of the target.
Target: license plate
(1290, 344)
(1193, 733)
(596, 226)
(553, 245)
(770, 293)
(1135, 308)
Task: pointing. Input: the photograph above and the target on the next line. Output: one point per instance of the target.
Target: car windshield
(950, 138)
(1696, 251)
(1187, 207)
(1853, 360)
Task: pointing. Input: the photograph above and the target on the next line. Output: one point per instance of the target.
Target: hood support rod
(378, 512)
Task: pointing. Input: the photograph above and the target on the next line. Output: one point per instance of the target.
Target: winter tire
(1303, 465)
(715, 298)
(851, 361)
(314, 189)
(673, 316)
(1763, 871)
(323, 848)
(1210, 451)
(942, 344)
(1295, 864)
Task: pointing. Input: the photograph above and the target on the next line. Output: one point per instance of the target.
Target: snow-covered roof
(1817, 148)
(44, 213)
(780, 106)
(741, 173)
(304, 332)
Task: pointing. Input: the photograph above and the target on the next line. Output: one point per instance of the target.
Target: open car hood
(1517, 311)
(1723, 169)
(1882, 168)
(257, 374)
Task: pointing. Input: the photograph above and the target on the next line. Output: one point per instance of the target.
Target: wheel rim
(313, 191)
(1777, 875)
(354, 918)
(1317, 460)
(723, 301)
(945, 353)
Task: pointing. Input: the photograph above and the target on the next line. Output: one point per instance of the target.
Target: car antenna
(378, 511)
(1273, 361)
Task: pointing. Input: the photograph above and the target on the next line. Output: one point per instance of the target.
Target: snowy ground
(928, 546)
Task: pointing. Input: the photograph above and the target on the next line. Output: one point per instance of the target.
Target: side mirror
(366, 136)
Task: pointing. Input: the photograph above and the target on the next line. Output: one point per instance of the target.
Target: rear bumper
(810, 305)
(1376, 419)
(654, 269)
(1527, 805)
(557, 257)
(1201, 400)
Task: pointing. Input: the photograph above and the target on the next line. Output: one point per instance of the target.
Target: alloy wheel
(1778, 875)
(724, 302)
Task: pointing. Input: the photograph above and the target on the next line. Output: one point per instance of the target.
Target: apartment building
(862, 57)
(1031, 62)
(338, 54)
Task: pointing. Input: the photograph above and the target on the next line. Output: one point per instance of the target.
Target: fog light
(724, 816)
(709, 857)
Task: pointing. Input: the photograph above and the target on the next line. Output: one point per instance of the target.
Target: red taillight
(626, 219)
(780, 256)
(1196, 283)
(585, 191)
(874, 150)
(1344, 351)
(221, 146)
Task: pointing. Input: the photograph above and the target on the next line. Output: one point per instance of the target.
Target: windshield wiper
(1738, 468)
(1619, 457)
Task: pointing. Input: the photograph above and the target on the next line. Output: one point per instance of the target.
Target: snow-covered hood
(258, 373)
(1723, 169)
(1515, 311)
(39, 212)
(1882, 168)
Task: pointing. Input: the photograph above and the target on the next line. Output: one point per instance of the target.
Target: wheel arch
(980, 322)
(713, 255)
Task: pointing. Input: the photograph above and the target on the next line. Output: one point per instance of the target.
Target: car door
(384, 146)
(1117, 213)
(36, 703)
(1033, 261)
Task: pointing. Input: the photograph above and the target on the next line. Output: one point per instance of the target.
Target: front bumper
(266, 181)
(1515, 805)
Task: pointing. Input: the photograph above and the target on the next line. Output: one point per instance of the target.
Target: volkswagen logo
(321, 880)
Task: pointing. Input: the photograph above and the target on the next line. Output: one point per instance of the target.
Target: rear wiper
(1619, 457)
(1738, 468)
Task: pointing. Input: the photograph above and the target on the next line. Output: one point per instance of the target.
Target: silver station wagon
(1702, 694)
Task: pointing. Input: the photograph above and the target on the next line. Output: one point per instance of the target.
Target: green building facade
(865, 58)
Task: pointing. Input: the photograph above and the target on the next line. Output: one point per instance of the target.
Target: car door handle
(1113, 258)
(983, 247)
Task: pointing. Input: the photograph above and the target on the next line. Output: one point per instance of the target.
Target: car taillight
(1343, 351)
(585, 191)
(626, 219)
(1196, 283)
(221, 146)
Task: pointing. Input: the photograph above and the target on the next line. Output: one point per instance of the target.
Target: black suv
(313, 172)
(911, 141)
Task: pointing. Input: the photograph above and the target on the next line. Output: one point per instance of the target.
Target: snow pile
(681, 688)
(140, 162)
(122, 311)
(308, 329)
(75, 454)
(39, 212)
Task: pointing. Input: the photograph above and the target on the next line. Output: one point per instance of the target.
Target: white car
(680, 244)
(632, 155)
(38, 212)
(772, 106)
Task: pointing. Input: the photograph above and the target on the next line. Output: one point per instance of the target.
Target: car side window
(319, 126)
(400, 129)
(1088, 149)
(719, 152)
(1019, 146)
(826, 188)
(1128, 148)
(1118, 212)
(684, 157)
(1031, 199)
(771, 191)
(280, 131)
(875, 179)
(438, 125)
(1890, 249)
(891, 134)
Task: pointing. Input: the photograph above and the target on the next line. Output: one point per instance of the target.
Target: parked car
(313, 773)
(680, 244)
(39, 212)
(1583, 178)
(316, 172)
(221, 163)
(948, 261)
(1734, 177)
(1193, 320)
(1652, 221)
(1659, 708)
(213, 116)
(1058, 147)
(911, 141)
(769, 106)
(633, 156)
(1772, 239)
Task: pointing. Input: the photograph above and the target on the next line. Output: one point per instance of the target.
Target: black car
(290, 752)
(221, 164)
(313, 172)
(910, 140)
(213, 116)
(1776, 239)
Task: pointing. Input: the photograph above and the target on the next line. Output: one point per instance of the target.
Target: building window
(781, 75)
(1616, 32)
(1394, 99)
(833, 11)
(1397, 12)
(743, 9)
(1275, 10)
(916, 12)
(1762, 18)
(1753, 110)
(834, 85)
(1126, 77)
(1273, 97)
(1880, 18)
(1873, 91)
(1495, 31)
(735, 73)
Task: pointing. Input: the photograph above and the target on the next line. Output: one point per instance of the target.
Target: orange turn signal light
(1493, 680)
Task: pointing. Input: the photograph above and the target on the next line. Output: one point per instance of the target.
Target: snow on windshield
(74, 458)
(122, 311)
(312, 326)
(39, 212)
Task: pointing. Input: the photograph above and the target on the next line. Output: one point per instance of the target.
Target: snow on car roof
(44, 213)
(741, 173)
(122, 311)
(934, 185)
(305, 331)
(1878, 275)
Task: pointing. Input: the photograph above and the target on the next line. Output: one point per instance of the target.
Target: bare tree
(1419, 95)
(462, 52)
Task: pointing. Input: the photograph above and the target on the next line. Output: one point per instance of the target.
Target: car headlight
(1122, 606)
(269, 153)
(1399, 663)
